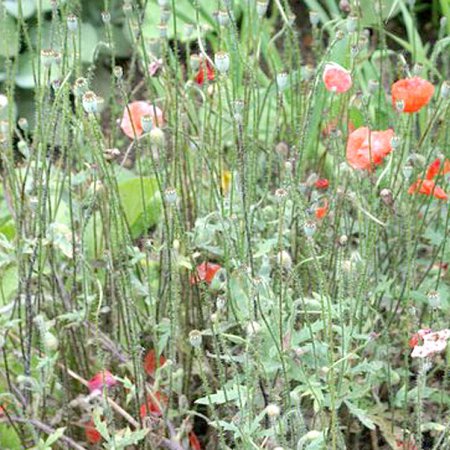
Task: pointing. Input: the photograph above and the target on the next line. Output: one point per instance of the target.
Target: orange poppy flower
(100, 380)
(427, 187)
(321, 211)
(91, 433)
(205, 272)
(194, 442)
(205, 68)
(152, 407)
(366, 148)
(415, 92)
(435, 169)
(322, 183)
(336, 78)
(132, 121)
(150, 362)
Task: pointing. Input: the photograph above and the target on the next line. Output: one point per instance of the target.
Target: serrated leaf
(222, 396)
(360, 414)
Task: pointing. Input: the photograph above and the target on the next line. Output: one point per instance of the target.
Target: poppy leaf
(141, 203)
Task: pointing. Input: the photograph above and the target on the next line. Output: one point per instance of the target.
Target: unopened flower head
(261, 8)
(188, 29)
(352, 23)
(222, 62)
(314, 18)
(106, 17)
(195, 338)
(72, 22)
(170, 195)
(282, 80)
(80, 86)
(273, 411)
(252, 328)
(147, 123)
(47, 57)
(281, 195)
(309, 228)
(165, 15)
(284, 260)
(434, 299)
(223, 18)
(90, 102)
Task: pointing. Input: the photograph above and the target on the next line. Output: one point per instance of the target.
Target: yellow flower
(225, 181)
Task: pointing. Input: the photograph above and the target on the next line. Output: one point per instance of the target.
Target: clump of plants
(224, 224)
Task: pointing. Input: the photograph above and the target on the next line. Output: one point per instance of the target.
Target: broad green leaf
(9, 280)
(141, 203)
(8, 438)
(360, 414)
(9, 43)
(13, 8)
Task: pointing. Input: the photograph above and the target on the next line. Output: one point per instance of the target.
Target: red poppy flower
(427, 187)
(100, 380)
(405, 445)
(91, 433)
(205, 272)
(150, 362)
(366, 148)
(336, 78)
(414, 92)
(205, 66)
(194, 442)
(321, 211)
(132, 118)
(152, 407)
(435, 169)
(322, 183)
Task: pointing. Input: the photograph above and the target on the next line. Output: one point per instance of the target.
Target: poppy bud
(90, 102)
(309, 228)
(223, 18)
(162, 27)
(273, 411)
(352, 23)
(146, 123)
(157, 136)
(445, 89)
(252, 328)
(194, 61)
(261, 8)
(386, 197)
(222, 61)
(170, 195)
(106, 17)
(164, 15)
(282, 80)
(50, 341)
(195, 338)
(80, 86)
(72, 22)
(314, 18)
(280, 195)
(23, 124)
(308, 72)
(118, 72)
(284, 260)
(47, 57)
(188, 29)
(434, 299)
